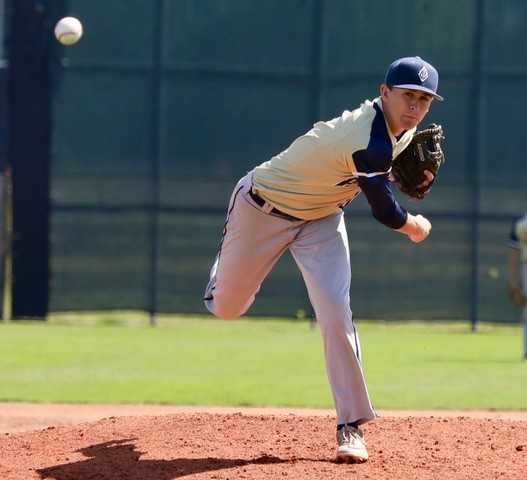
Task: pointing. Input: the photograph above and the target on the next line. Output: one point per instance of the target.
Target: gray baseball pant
(253, 241)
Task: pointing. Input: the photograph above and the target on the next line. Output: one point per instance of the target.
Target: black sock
(340, 426)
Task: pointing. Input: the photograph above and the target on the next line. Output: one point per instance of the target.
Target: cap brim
(422, 89)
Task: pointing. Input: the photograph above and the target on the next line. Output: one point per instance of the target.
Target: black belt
(261, 202)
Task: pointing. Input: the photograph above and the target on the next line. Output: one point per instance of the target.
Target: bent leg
(252, 243)
(322, 254)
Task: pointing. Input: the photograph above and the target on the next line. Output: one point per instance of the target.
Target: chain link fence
(164, 104)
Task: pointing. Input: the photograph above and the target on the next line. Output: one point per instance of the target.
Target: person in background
(517, 271)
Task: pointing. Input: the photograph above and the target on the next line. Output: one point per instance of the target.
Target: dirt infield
(250, 445)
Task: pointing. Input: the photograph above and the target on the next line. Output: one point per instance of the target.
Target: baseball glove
(423, 153)
(516, 296)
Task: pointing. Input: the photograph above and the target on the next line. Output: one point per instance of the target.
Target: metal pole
(477, 121)
(155, 160)
(318, 88)
(7, 250)
(5, 218)
(318, 61)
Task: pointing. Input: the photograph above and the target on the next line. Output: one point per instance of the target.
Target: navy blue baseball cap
(413, 73)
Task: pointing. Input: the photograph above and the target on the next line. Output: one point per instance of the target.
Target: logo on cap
(423, 74)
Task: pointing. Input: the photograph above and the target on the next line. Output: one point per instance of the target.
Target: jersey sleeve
(370, 163)
(373, 168)
(384, 206)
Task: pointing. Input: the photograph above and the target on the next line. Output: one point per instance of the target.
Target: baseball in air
(68, 30)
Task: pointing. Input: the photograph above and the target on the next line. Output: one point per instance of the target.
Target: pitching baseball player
(517, 267)
(294, 201)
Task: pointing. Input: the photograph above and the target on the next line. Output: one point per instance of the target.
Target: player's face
(404, 108)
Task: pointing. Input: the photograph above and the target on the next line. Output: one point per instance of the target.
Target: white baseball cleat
(352, 446)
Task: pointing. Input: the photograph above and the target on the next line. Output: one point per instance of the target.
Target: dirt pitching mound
(237, 446)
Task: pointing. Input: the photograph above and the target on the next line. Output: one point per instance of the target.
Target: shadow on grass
(119, 459)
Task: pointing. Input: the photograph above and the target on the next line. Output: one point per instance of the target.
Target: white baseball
(68, 30)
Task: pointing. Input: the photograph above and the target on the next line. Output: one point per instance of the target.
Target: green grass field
(113, 358)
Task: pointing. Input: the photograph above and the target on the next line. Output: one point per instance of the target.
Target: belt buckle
(267, 208)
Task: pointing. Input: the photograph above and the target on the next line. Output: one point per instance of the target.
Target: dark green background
(164, 104)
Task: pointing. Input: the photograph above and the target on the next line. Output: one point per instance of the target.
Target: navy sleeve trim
(379, 136)
(376, 158)
(370, 163)
(384, 206)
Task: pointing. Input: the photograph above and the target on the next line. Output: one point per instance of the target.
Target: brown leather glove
(423, 153)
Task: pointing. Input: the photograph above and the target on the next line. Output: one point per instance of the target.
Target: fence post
(154, 162)
(7, 245)
(29, 103)
(477, 121)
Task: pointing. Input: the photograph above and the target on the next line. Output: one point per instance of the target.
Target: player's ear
(384, 89)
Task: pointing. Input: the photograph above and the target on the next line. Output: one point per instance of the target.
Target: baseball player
(517, 270)
(295, 201)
